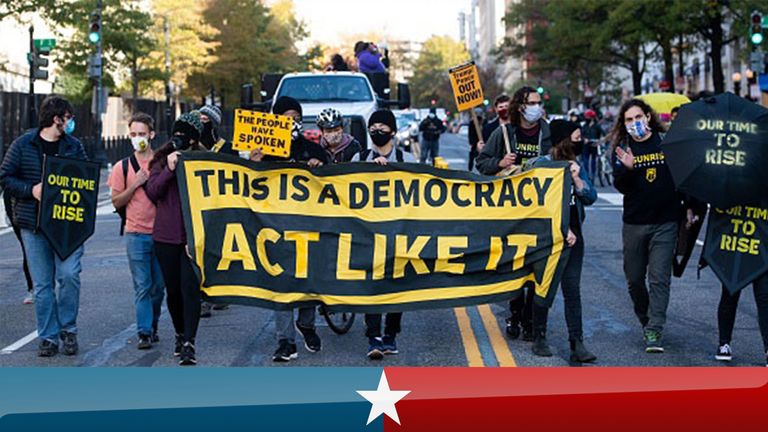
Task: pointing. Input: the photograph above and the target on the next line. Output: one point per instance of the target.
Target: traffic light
(94, 30)
(38, 61)
(756, 29)
(434, 102)
(539, 88)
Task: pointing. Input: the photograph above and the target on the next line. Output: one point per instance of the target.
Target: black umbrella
(737, 244)
(717, 150)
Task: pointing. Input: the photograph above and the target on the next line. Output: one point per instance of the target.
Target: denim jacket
(585, 197)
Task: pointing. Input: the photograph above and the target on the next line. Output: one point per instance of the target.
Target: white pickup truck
(356, 95)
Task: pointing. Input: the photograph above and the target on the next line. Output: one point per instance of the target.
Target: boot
(580, 353)
(513, 328)
(540, 346)
(528, 333)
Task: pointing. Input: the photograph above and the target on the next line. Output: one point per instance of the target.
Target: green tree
(430, 71)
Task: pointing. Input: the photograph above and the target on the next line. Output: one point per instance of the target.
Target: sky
(416, 20)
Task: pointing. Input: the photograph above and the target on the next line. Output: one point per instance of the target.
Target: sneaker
(540, 346)
(653, 342)
(178, 345)
(145, 342)
(205, 310)
(513, 329)
(311, 340)
(527, 334)
(724, 353)
(47, 348)
(389, 346)
(69, 343)
(155, 336)
(286, 352)
(29, 298)
(187, 357)
(221, 306)
(375, 348)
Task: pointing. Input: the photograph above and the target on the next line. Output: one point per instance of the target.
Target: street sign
(45, 45)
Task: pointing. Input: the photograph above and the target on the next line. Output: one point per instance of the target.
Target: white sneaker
(29, 298)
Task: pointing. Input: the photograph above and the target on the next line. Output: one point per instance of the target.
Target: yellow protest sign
(467, 90)
(269, 132)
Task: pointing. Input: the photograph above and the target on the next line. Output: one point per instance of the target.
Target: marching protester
(431, 128)
(368, 58)
(726, 317)
(652, 209)
(341, 147)
(566, 136)
(305, 151)
(127, 182)
(210, 116)
(475, 142)
(382, 127)
(29, 298)
(501, 108)
(20, 176)
(592, 134)
(526, 136)
(168, 233)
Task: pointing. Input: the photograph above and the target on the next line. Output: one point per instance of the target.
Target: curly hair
(519, 100)
(619, 132)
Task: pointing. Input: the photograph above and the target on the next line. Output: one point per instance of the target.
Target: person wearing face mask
(127, 181)
(20, 175)
(339, 146)
(566, 138)
(170, 238)
(652, 209)
(302, 151)
(431, 128)
(381, 127)
(526, 135)
(501, 108)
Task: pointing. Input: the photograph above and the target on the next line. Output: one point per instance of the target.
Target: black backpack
(398, 155)
(136, 168)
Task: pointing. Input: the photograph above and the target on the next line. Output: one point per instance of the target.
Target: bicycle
(604, 167)
(339, 322)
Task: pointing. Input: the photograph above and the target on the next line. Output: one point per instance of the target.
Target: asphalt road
(244, 336)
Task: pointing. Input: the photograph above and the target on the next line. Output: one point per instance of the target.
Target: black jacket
(431, 128)
(22, 168)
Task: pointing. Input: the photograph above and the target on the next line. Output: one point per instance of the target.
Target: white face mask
(140, 144)
(533, 113)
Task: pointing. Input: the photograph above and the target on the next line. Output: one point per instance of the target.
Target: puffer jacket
(22, 169)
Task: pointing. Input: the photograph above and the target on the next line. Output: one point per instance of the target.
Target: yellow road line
(474, 359)
(500, 347)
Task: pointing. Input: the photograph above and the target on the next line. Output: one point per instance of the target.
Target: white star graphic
(383, 400)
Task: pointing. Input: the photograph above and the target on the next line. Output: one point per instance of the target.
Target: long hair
(619, 132)
(519, 100)
(563, 150)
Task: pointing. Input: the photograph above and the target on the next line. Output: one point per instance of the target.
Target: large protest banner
(67, 212)
(367, 238)
(736, 246)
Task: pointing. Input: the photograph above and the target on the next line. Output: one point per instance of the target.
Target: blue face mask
(638, 129)
(69, 127)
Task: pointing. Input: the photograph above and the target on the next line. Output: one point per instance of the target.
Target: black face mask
(380, 138)
(578, 146)
(181, 142)
(209, 137)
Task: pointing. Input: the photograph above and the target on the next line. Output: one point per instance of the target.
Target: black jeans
(726, 311)
(526, 312)
(182, 287)
(472, 156)
(571, 286)
(391, 324)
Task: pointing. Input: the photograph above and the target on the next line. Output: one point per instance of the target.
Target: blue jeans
(147, 281)
(48, 270)
(429, 150)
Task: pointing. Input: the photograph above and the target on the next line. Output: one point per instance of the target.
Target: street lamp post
(736, 83)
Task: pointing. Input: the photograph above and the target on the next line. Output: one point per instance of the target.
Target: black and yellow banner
(371, 238)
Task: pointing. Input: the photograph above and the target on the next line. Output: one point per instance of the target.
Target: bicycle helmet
(329, 118)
